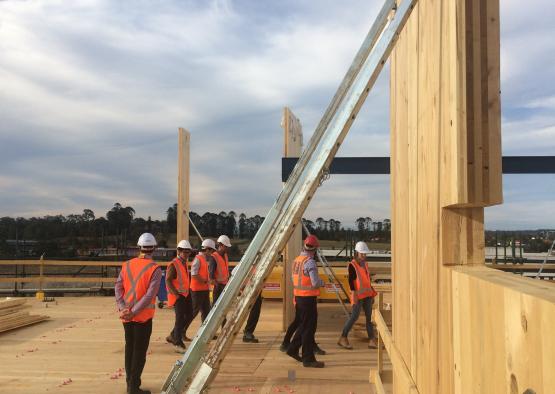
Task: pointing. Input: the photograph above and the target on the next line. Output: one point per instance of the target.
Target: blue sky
(92, 94)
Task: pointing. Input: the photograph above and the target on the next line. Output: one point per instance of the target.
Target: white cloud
(93, 91)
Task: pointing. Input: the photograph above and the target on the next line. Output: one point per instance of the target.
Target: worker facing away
(200, 281)
(362, 296)
(178, 286)
(306, 289)
(136, 289)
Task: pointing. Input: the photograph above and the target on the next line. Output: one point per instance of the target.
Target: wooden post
(40, 294)
(380, 341)
(183, 185)
(293, 143)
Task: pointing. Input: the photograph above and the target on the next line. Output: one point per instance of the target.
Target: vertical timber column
(293, 145)
(445, 168)
(183, 176)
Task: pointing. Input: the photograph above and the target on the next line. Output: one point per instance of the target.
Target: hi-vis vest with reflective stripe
(181, 282)
(363, 285)
(302, 285)
(197, 285)
(136, 275)
(222, 268)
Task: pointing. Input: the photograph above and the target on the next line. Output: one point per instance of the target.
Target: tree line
(62, 236)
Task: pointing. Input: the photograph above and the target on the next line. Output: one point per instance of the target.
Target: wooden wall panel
(445, 144)
(506, 346)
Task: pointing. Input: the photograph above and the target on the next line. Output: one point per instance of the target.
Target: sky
(92, 94)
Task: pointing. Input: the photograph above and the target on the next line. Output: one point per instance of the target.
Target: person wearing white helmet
(177, 284)
(218, 268)
(200, 281)
(362, 296)
(136, 289)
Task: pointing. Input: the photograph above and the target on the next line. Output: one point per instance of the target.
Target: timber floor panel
(83, 341)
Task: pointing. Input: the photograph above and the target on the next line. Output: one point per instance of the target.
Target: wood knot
(514, 384)
(524, 322)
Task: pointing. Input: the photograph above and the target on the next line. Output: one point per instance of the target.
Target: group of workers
(189, 293)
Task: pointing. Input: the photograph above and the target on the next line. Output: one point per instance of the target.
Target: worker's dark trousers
(304, 336)
(254, 315)
(183, 309)
(292, 328)
(218, 288)
(201, 303)
(366, 304)
(137, 337)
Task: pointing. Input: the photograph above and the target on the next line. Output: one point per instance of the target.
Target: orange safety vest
(302, 285)
(180, 283)
(136, 275)
(222, 268)
(196, 284)
(363, 284)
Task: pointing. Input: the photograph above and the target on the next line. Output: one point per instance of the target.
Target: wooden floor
(83, 341)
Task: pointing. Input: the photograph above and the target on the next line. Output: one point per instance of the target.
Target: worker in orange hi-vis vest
(306, 289)
(362, 296)
(177, 284)
(218, 268)
(200, 281)
(136, 289)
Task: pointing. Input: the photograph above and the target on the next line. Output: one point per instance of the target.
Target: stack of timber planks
(13, 314)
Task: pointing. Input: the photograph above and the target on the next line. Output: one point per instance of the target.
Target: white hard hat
(361, 247)
(146, 240)
(208, 243)
(224, 239)
(184, 244)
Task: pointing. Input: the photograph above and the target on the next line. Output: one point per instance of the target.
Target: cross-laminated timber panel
(445, 165)
(445, 168)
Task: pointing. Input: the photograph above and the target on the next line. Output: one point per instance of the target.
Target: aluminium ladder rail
(196, 369)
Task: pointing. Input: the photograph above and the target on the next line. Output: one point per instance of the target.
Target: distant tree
(88, 215)
(231, 224)
(120, 217)
(171, 218)
(242, 229)
(368, 223)
(361, 224)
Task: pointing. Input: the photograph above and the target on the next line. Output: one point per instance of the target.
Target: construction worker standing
(136, 289)
(362, 296)
(177, 283)
(219, 266)
(306, 289)
(200, 281)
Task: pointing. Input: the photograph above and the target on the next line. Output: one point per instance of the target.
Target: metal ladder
(200, 363)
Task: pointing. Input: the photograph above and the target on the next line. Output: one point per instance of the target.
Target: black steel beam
(380, 165)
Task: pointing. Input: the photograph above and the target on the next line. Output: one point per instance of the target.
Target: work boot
(313, 364)
(139, 391)
(169, 339)
(283, 347)
(249, 337)
(318, 350)
(344, 343)
(372, 343)
(180, 348)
